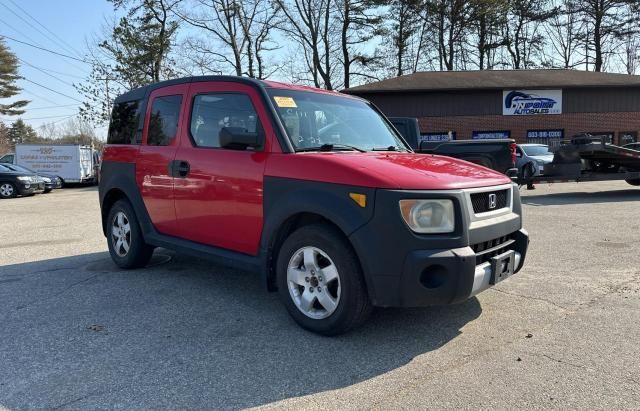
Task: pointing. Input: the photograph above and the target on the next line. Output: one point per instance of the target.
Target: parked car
(532, 158)
(632, 146)
(14, 183)
(496, 154)
(50, 181)
(313, 189)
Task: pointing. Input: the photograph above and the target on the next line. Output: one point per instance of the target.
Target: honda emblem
(493, 201)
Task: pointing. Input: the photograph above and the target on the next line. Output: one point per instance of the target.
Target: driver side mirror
(238, 138)
(518, 154)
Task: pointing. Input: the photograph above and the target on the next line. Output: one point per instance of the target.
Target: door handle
(179, 168)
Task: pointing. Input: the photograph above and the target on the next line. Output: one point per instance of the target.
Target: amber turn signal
(360, 199)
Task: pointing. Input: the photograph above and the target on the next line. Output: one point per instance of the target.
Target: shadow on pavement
(612, 196)
(79, 333)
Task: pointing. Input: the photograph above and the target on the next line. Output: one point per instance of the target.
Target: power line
(38, 96)
(44, 72)
(69, 47)
(50, 107)
(44, 49)
(52, 90)
(18, 31)
(44, 117)
(52, 71)
(31, 25)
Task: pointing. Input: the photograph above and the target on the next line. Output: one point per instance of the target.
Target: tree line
(336, 44)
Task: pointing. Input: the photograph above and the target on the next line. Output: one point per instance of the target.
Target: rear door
(155, 159)
(219, 200)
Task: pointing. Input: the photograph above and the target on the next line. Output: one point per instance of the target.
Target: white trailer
(73, 163)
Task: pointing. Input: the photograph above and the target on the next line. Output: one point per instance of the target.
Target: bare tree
(629, 38)
(604, 20)
(486, 19)
(309, 24)
(521, 29)
(359, 24)
(242, 28)
(564, 30)
(448, 19)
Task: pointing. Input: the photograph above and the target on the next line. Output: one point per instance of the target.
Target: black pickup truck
(498, 155)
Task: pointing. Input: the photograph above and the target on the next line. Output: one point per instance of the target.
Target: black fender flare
(286, 199)
(121, 177)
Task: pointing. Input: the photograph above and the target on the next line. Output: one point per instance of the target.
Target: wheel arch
(292, 204)
(110, 198)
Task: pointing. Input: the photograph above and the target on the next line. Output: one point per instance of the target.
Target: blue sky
(73, 22)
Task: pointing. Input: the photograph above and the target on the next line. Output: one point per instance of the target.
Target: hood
(389, 170)
(545, 159)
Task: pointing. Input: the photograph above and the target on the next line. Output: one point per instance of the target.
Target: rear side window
(125, 119)
(163, 123)
(212, 112)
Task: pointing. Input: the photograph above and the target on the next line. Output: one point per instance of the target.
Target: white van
(73, 163)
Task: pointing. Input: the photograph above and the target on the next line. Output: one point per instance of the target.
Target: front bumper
(404, 269)
(26, 189)
(438, 277)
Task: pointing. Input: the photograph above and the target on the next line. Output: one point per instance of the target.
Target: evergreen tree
(8, 77)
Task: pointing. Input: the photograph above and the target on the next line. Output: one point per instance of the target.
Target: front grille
(482, 201)
(486, 250)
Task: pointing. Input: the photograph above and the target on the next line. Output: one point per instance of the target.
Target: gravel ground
(77, 333)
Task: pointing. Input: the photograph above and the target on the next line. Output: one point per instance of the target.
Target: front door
(156, 155)
(219, 202)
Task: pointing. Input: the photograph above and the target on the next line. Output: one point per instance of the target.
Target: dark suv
(313, 189)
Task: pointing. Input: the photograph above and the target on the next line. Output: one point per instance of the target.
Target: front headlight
(46, 179)
(428, 216)
(26, 179)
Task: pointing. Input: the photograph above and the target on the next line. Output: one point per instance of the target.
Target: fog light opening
(433, 276)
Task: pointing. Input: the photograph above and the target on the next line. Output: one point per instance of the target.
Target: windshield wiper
(389, 148)
(331, 147)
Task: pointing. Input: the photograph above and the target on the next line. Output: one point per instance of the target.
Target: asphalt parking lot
(77, 333)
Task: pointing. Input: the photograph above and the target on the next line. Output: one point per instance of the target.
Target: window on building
(627, 137)
(163, 122)
(212, 112)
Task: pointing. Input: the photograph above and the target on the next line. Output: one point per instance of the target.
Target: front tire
(124, 237)
(8, 190)
(320, 281)
(634, 182)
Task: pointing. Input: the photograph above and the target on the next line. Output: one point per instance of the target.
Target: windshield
(537, 150)
(314, 119)
(19, 169)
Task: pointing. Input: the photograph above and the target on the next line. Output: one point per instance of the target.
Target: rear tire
(8, 190)
(320, 281)
(124, 237)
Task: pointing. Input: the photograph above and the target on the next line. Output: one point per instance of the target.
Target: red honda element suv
(313, 189)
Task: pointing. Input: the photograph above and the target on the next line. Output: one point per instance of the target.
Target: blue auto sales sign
(531, 102)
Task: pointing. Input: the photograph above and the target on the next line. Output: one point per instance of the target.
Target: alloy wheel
(121, 234)
(314, 282)
(6, 190)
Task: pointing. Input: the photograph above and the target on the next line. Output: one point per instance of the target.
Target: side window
(212, 112)
(123, 127)
(163, 122)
